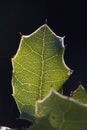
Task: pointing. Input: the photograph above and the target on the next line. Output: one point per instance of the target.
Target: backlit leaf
(38, 66)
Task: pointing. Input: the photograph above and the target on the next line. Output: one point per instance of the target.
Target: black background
(66, 18)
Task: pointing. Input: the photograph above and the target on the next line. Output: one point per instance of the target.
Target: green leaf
(80, 94)
(38, 66)
(57, 112)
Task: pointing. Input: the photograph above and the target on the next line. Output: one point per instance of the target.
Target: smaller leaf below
(57, 112)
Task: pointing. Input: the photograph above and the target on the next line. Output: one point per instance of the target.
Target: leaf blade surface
(38, 66)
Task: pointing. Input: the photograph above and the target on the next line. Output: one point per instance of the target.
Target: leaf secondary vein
(26, 69)
(31, 49)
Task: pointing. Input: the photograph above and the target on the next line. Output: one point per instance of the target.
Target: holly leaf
(80, 94)
(57, 112)
(38, 66)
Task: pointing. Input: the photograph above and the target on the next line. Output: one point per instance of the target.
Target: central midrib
(42, 66)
